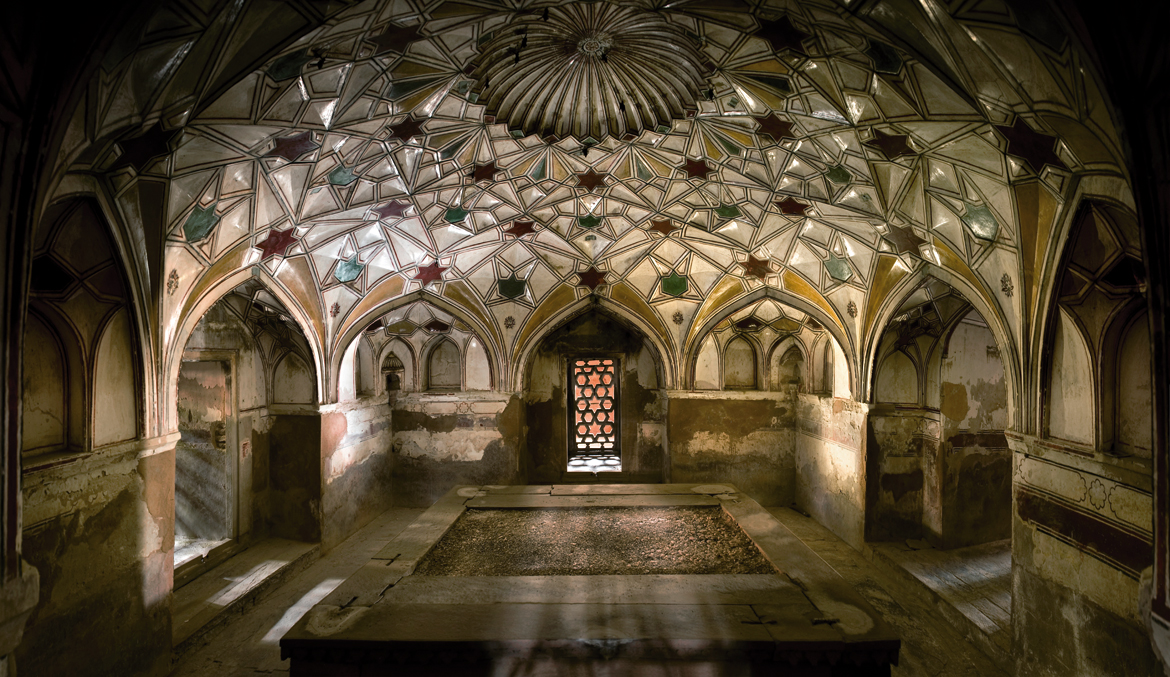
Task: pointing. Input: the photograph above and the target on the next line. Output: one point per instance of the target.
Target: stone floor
(247, 645)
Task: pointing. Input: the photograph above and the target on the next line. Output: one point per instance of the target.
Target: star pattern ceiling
(814, 153)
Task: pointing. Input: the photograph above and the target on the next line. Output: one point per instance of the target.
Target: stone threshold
(992, 637)
(231, 587)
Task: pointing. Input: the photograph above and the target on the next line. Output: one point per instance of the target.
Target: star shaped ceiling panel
(418, 151)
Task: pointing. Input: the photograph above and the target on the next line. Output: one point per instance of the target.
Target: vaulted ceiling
(673, 158)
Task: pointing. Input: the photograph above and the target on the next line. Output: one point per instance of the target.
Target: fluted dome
(589, 70)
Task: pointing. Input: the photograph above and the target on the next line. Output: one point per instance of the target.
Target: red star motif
(1035, 148)
(277, 243)
(139, 151)
(592, 278)
(484, 172)
(407, 129)
(519, 228)
(429, 274)
(696, 169)
(391, 210)
(775, 127)
(893, 146)
(783, 35)
(791, 206)
(756, 267)
(904, 239)
(396, 38)
(664, 226)
(292, 147)
(590, 180)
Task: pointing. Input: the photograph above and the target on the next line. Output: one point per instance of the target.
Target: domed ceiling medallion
(589, 70)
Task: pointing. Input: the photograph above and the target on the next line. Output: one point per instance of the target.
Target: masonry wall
(831, 471)
(356, 466)
(99, 529)
(745, 438)
(440, 440)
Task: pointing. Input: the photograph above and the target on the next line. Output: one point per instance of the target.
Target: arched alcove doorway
(245, 462)
(594, 407)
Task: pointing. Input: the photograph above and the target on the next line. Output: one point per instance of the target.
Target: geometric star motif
(664, 226)
(429, 274)
(396, 38)
(775, 127)
(1035, 148)
(891, 145)
(791, 206)
(484, 172)
(783, 35)
(591, 180)
(292, 147)
(407, 129)
(393, 209)
(903, 239)
(519, 228)
(139, 151)
(277, 243)
(696, 169)
(592, 278)
(756, 267)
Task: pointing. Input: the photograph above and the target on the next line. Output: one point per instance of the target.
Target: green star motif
(511, 288)
(347, 271)
(200, 223)
(674, 284)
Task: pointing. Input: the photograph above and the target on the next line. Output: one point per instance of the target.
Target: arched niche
(739, 364)
(897, 379)
(595, 334)
(788, 367)
(397, 349)
(478, 367)
(444, 366)
(115, 411)
(1134, 424)
(707, 365)
(45, 389)
(1070, 407)
(292, 381)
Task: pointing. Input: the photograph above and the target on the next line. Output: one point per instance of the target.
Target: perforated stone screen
(593, 406)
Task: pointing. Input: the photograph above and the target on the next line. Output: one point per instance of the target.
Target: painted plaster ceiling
(513, 158)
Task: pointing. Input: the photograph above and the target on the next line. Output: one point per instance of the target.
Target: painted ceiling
(673, 158)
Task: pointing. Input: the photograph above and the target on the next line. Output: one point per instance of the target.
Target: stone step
(990, 635)
(232, 587)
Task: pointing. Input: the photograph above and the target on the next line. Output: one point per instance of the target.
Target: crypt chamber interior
(275, 268)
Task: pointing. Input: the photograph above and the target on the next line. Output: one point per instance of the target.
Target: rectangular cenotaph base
(618, 579)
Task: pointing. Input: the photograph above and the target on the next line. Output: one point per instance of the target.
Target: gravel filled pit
(594, 542)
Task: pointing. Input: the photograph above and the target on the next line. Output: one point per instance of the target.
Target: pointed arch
(357, 327)
(662, 352)
(993, 316)
(830, 323)
(198, 307)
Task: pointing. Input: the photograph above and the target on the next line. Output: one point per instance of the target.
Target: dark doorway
(204, 468)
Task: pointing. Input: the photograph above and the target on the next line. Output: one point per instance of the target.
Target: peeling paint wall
(441, 440)
(747, 439)
(99, 530)
(830, 464)
(900, 451)
(356, 439)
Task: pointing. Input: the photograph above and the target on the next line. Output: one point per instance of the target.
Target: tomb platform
(617, 579)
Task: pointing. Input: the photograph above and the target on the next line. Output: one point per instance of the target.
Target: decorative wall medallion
(1005, 283)
(509, 322)
(335, 310)
(173, 282)
(851, 309)
(677, 317)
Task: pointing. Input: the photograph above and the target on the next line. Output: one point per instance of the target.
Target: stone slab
(384, 617)
(607, 501)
